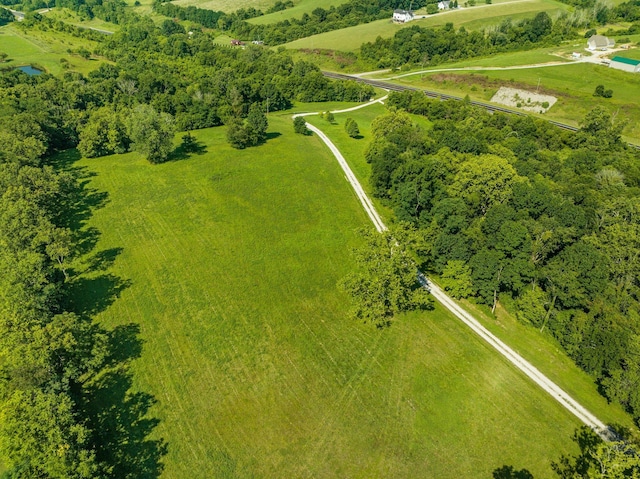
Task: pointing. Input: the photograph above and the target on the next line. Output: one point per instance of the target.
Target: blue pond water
(29, 70)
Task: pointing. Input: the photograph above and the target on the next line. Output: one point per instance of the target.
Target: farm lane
(513, 357)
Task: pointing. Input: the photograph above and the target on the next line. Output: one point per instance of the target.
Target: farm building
(625, 64)
(600, 42)
(443, 5)
(402, 16)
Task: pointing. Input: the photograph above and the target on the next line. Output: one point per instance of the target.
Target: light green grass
(69, 16)
(304, 6)
(350, 39)
(572, 84)
(540, 349)
(233, 259)
(226, 6)
(633, 53)
(45, 49)
(500, 60)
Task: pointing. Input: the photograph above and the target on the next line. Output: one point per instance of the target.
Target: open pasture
(226, 6)
(350, 39)
(231, 260)
(301, 7)
(44, 49)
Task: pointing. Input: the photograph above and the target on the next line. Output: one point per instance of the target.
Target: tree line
(348, 14)
(185, 81)
(62, 417)
(416, 45)
(516, 211)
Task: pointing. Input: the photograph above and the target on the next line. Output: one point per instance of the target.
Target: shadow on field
(119, 417)
(272, 135)
(116, 414)
(509, 472)
(189, 146)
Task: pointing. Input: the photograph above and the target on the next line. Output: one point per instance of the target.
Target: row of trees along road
(515, 210)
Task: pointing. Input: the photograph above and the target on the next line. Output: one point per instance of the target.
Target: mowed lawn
(350, 39)
(45, 49)
(233, 259)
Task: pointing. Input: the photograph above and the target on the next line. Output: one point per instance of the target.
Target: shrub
(351, 127)
(300, 126)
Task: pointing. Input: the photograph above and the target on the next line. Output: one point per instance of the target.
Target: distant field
(573, 84)
(350, 39)
(227, 6)
(44, 49)
(233, 259)
(68, 16)
(304, 6)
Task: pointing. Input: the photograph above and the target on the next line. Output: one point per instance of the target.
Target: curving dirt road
(514, 358)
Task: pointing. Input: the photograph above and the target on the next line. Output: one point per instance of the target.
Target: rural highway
(514, 358)
(442, 96)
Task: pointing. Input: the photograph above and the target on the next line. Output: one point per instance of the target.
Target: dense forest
(65, 397)
(517, 211)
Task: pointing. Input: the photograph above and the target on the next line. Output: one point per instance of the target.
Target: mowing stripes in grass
(233, 258)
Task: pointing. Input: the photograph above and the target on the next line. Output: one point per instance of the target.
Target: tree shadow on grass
(88, 296)
(117, 415)
(189, 146)
(272, 135)
(80, 200)
(510, 472)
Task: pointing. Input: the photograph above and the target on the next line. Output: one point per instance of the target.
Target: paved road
(514, 358)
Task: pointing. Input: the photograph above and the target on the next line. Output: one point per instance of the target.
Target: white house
(600, 42)
(402, 16)
(625, 64)
(443, 5)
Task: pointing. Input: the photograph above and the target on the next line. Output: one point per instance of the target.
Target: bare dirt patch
(485, 82)
(523, 99)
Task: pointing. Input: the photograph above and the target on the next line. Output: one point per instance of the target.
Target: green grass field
(572, 84)
(233, 258)
(301, 7)
(350, 39)
(69, 16)
(44, 49)
(226, 6)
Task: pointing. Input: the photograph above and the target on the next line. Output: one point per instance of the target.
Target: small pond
(29, 70)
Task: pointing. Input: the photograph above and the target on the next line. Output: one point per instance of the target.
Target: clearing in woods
(232, 259)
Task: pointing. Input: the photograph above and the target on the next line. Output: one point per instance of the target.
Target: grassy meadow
(45, 50)
(350, 39)
(227, 6)
(230, 261)
(301, 7)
